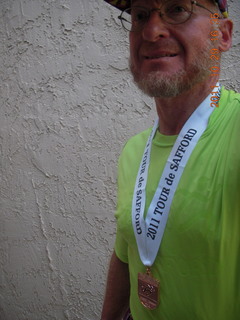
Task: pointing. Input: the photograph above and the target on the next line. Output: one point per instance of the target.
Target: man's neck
(174, 112)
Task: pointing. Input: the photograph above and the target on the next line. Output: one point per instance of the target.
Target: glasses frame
(122, 19)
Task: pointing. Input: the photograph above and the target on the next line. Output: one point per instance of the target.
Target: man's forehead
(124, 4)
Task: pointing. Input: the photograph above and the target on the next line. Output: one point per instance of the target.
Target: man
(177, 250)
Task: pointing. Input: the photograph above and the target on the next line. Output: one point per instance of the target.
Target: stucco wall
(67, 107)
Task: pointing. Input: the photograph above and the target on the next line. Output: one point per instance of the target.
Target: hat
(124, 4)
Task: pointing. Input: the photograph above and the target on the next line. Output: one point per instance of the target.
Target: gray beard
(157, 84)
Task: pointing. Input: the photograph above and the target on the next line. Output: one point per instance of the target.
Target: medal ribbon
(149, 231)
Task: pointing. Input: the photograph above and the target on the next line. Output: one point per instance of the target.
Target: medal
(148, 290)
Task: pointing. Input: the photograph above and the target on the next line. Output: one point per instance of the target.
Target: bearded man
(177, 249)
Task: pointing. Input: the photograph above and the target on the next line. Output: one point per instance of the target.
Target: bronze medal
(148, 290)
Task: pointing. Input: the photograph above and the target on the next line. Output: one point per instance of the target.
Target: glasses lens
(172, 11)
(139, 17)
(176, 11)
(134, 18)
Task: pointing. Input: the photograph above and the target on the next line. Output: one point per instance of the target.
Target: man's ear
(225, 37)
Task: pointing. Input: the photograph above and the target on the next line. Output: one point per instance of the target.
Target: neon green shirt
(198, 263)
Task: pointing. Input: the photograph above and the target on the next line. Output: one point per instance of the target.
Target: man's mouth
(159, 56)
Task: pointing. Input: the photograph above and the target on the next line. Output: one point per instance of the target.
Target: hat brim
(120, 4)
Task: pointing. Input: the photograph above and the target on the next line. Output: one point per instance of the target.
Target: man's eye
(140, 16)
(176, 9)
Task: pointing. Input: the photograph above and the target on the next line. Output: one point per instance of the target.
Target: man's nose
(155, 28)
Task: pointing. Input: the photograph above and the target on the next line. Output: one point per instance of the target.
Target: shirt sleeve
(121, 247)
(121, 244)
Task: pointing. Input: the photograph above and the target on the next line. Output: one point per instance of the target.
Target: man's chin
(156, 84)
(162, 85)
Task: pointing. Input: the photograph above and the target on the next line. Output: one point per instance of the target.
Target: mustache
(164, 44)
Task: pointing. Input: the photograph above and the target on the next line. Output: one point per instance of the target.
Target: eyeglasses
(172, 12)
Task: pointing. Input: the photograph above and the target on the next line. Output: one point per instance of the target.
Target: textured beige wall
(67, 106)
